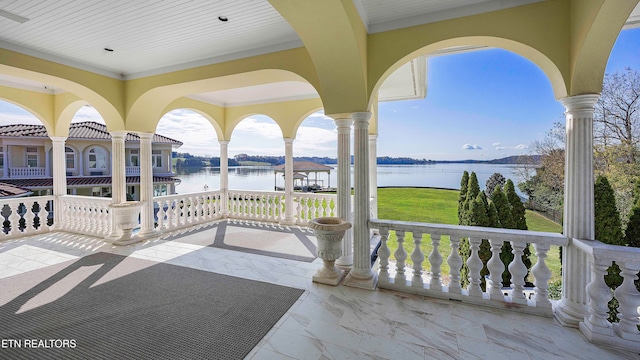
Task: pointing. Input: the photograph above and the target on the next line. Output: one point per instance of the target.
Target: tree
(464, 183)
(518, 211)
(632, 233)
(494, 180)
(607, 218)
(617, 112)
(499, 199)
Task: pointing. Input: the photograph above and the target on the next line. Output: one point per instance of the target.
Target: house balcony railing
(27, 172)
(91, 216)
(132, 170)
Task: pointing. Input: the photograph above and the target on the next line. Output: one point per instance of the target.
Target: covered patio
(299, 57)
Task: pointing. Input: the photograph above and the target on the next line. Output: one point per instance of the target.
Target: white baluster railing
(432, 284)
(312, 205)
(596, 326)
(180, 211)
(85, 215)
(256, 205)
(132, 170)
(26, 216)
(26, 172)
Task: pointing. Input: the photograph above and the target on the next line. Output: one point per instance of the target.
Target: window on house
(97, 158)
(70, 157)
(1, 157)
(32, 156)
(156, 158)
(134, 157)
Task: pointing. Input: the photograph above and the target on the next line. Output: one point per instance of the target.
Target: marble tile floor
(338, 322)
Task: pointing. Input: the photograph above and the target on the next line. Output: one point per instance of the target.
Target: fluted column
(361, 274)
(59, 175)
(224, 176)
(373, 175)
(344, 189)
(289, 211)
(578, 207)
(118, 175)
(147, 224)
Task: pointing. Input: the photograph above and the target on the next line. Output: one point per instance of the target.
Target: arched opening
(196, 162)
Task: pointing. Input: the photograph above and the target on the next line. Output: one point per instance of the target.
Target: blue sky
(480, 105)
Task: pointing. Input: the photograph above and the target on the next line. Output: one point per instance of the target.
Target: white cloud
(471, 147)
(517, 147)
(496, 144)
(196, 133)
(267, 129)
(88, 113)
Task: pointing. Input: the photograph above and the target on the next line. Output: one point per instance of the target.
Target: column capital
(58, 139)
(223, 142)
(288, 140)
(344, 123)
(145, 135)
(373, 137)
(118, 135)
(361, 117)
(578, 103)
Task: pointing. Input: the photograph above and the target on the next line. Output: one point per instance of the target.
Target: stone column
(373, 175)
(147, 223)
(118, 174)
(224, 176)
(344, 189)
(578, 207)
(361, 274)
(59, 177)
(289, 209)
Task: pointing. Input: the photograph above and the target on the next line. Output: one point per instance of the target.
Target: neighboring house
(26, 161)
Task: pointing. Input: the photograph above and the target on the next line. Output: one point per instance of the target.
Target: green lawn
(441, 207)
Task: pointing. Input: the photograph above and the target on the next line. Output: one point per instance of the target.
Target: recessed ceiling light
(108, 49)
(223, 18)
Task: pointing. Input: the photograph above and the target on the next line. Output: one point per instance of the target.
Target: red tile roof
(82, 181)
(80, 130)
(8, 190)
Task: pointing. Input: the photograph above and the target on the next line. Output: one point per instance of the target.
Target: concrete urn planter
(125, 216)
(329, 232)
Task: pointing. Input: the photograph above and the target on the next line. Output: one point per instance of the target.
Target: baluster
(98, 225)
(177, 208)
(496, 268)
(541, 275)
(107, 220)
(599, 297)
(435, 259)
(14, 219)
(39, 214)
(305, 210)
(197, 208)
(417, 257)
(29, 216)
(192, 209)
(475, 265)
(160, 214)
(92, 221)
(171, 215)
(518, 272)
(44, 219)
(314, 208)
(400, 255)
(455, 263)
(299, 210)
(629, 300)
(184, 221)
(383, 255)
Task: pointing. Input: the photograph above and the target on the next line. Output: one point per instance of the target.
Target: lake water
(263, 178)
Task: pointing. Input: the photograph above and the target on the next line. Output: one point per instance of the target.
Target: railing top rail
(475, 231)
(28, 199)
(169, 197)
(316, 195)
(262, 192)
(608, 252)
(86, 198)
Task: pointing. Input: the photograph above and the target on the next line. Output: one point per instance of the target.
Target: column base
(149, 234)
(369, 283)
(568, 317)
(288, 222)
(345, 263)
(122, 241)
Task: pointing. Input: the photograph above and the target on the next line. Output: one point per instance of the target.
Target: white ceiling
(154, 36)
